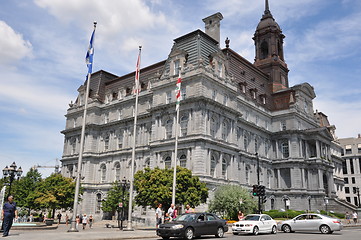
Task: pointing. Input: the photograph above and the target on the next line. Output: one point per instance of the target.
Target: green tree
(154, 186)
(227, 201)
(55, 192)
(114, 197)
(24, 188)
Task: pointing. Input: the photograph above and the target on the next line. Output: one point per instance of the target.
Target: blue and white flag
(90, 53)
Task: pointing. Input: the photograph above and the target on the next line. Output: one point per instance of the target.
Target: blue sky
(43, 45)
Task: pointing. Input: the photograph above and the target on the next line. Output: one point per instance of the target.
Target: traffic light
(255, 190)
(261, 190)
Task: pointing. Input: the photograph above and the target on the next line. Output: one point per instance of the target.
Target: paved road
(99, 232)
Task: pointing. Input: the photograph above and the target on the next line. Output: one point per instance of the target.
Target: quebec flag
(90, 53)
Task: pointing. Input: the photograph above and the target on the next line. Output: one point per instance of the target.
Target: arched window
(183, 161)
(99, 203)
(169, 128)
(103, 173)
(117, 171)
(285, 149)
(245, 142)
(224, 167)
(264, 49)
(225, 130)
(272, 203)
(213, 127)
(213, 166)
(168, 162)
(184, 125)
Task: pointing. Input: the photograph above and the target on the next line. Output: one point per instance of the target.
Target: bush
(286, 214)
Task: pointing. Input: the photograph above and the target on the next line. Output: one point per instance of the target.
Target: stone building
(351, 153)
(231, 110)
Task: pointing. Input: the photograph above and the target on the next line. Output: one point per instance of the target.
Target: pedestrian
(84, 221)
(9, 212)
(91, 221)
(31, 218)
(189, 209)
(354, 217)
(59, 217)
(175, 212)
(66, 219)
(170, 211)
(348, 218)
(77, 220)
(158, 215)
(240, 215)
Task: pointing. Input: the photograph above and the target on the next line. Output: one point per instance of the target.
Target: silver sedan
(311, 222)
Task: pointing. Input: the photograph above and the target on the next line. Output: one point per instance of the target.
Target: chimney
(212, 26)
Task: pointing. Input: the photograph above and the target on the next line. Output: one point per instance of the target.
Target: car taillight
(336, 221)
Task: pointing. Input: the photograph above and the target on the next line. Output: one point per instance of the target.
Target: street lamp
(12, 172)
(124, 185)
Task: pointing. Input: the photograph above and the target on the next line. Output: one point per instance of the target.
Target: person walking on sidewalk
(158, 215)
(354, 217)
(9, 212)
(91, 221)
(84, 221)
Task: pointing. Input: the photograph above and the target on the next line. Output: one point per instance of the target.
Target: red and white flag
(137, 73)
(178, 91)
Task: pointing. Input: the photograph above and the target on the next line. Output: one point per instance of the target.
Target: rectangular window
(345, 180)
(354, 190)
(347, 190)
(359, 148)
(351, 166)
(169, 97)
(355, 201)
(353, 180)
(344, 167)
(348, 199)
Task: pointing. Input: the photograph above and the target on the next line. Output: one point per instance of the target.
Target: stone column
(318, 155)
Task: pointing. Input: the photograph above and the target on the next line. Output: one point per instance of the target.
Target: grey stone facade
(231, 110)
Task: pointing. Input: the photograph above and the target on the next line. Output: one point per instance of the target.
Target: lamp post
(12, 172)
(124, 185)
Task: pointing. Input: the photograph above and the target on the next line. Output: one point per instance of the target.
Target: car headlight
(178, 226)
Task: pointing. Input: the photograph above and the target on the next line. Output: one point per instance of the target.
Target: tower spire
(267, 12)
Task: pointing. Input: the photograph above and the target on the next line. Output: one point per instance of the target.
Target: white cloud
(12, 45)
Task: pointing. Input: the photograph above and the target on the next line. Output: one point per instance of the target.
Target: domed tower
(268, 40)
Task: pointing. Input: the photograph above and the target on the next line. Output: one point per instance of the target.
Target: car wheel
(255, 230)
(274, 230)
(325, 229)
(189, 233)
(220, 232)
(286, 228)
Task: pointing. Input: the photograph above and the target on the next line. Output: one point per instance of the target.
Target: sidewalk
(98, 232)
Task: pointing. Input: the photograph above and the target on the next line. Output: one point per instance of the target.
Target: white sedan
(254, 224)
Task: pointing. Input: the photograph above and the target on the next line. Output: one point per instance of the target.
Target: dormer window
(114, 96)
(242, 86)
(176, 67)
(253, 92)
(220, 69)
(263, 98)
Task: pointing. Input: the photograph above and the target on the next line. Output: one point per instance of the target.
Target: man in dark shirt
(9, 212)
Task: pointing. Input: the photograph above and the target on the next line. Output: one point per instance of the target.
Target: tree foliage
(114, 197)
(54, 192)
(154, 186)
(24, 188)
(227, 201)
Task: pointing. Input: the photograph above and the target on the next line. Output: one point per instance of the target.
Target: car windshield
(185, 217)
(252, 218)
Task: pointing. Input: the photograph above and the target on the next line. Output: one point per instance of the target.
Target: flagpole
(176, 142)
(131, 180)
(82, 139)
